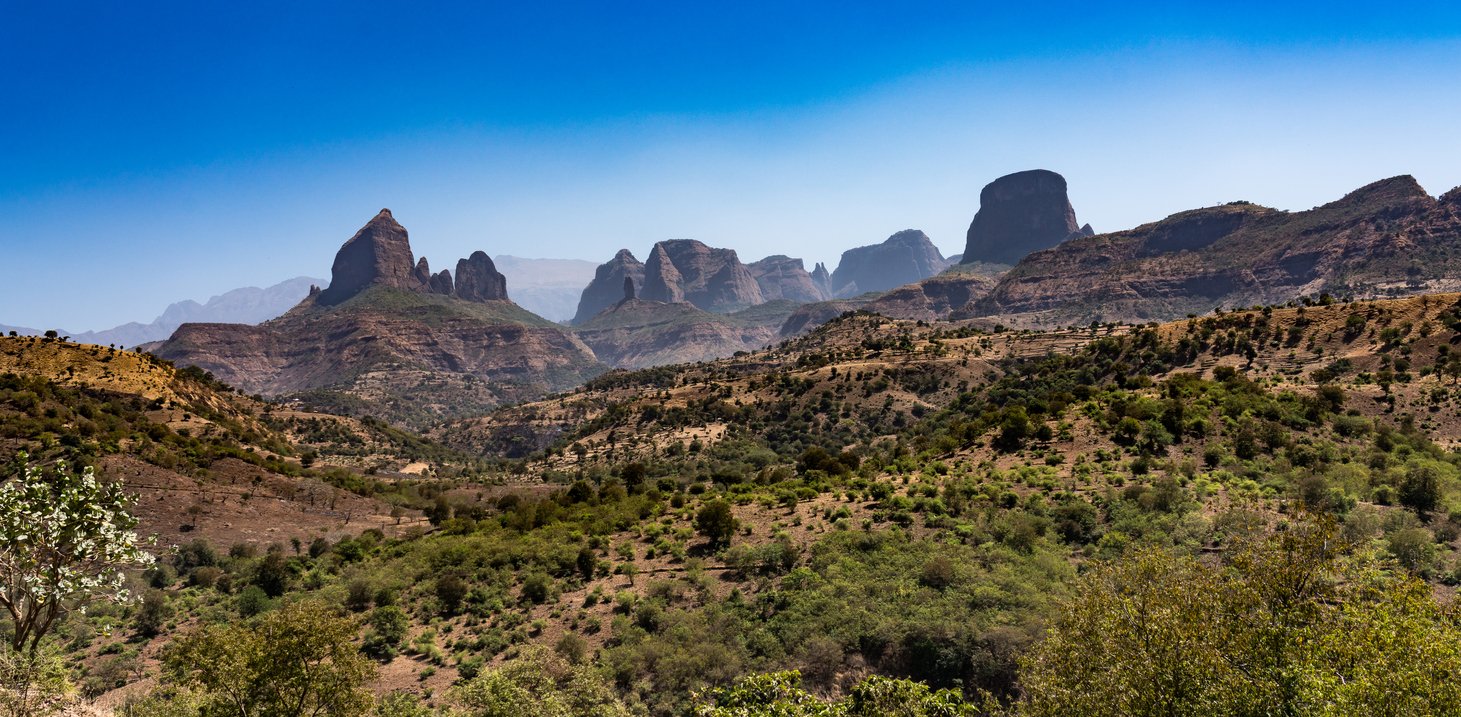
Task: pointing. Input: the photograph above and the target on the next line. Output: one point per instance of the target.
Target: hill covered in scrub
(894, 498)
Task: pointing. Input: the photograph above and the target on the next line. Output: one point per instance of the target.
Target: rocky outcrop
(822, 279)
(607, 286)
(903, 258)
(378, 255)
(628, 289)
(689, 271)
(1020, 213)
(1386, 238)
(372, 344)
(478, 280)
(782, 277)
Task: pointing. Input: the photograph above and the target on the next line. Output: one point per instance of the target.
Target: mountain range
(248, 305)
(387, 326)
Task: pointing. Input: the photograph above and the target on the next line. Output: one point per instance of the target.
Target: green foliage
(297, 661)
(716, 522)
(1289, 625)
(780, 694)
(539, 683)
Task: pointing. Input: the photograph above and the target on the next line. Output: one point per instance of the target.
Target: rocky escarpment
(1387, 238)
(782, 277)
(689, 271)
(374, 347)
(903, 258)
(1020, 213)
(607, 286)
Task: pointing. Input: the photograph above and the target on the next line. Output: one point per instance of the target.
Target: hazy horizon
(168, 153)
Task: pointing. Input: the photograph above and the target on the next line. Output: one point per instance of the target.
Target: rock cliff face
(782, 277)
(478, 280)
(378, 255)
(370, 346)
(711, 279)
(822, 279)
(607, 286)
(903, 258)
(1020, 213)
(1387, 238)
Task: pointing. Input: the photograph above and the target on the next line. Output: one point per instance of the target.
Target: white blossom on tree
(65, 540)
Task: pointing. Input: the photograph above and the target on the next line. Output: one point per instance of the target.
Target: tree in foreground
(298, 661)
(779, 694)
(1288, 625)
(540, 683)
(66, 540)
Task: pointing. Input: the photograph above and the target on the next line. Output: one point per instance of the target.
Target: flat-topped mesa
(477, 279)
(1020, 213)
(609, 280)
(902, 258)
(711, 279)
(378, 255)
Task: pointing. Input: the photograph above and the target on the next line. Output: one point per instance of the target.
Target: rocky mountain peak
(711, 279)
(905, 257)
(378, 254)
(1020, 213)
(477, 279)
(782, 277)
(608, 284)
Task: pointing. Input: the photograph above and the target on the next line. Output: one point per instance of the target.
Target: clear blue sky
(151, 152)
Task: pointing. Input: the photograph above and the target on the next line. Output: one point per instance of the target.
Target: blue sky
(151, 152)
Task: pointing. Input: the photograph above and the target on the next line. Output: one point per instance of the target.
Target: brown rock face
(628, 289)
(478, 279)
(606, 288)
(1020, 213)
(782, 277)
(903, 258)
(441, 283)
(711, 279)
(378, 255)
(1389, 237)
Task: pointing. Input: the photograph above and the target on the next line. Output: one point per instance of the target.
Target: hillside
(206, 461)
(638, 334)
(1386, 239)
(904, 499)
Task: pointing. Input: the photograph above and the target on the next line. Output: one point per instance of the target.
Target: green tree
(716, 522)
(298, 661)
(540, 683)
